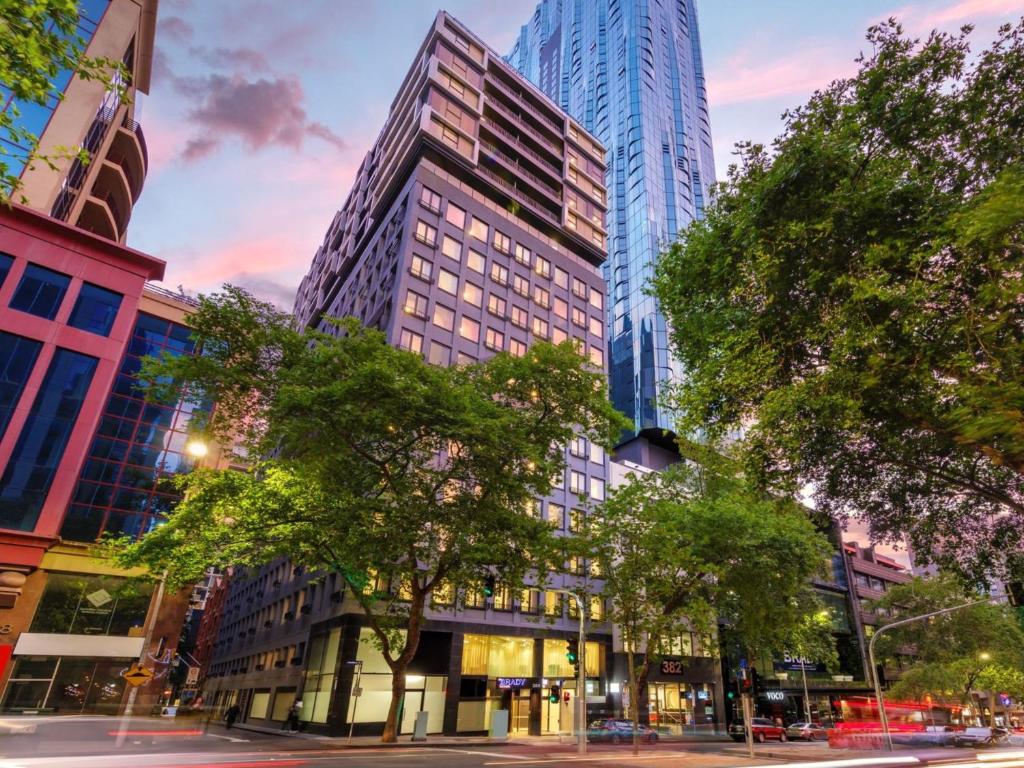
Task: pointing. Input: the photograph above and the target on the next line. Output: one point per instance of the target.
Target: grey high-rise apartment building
(475, 225)
(631, 72)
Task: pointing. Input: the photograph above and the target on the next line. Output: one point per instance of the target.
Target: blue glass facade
(95, 309)
(17, 358)
(125, 485)
(631, 72)
(34, 117)
(42, 441)
(40, 291)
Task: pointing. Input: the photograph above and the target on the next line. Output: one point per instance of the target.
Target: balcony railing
(76, 174)
(493, 149)
(535, 205)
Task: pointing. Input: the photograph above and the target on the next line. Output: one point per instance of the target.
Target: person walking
(292, 720)
(231, 715)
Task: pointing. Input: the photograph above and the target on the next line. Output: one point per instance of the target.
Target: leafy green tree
(38, 40)
(953, 654)
(853, 298)
(684, 548)
(412, 481)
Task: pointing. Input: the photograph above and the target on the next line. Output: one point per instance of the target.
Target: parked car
(807, 731)
(762, 728)
(618, 731)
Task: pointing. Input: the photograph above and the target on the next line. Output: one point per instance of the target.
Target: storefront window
(65, 685)
(316, 692)
(79, 604)
(497, 656)
(556, 665)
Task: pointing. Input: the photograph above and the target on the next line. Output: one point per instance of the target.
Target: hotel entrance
(676, 708)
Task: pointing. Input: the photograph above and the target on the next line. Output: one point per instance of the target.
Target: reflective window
(5, 266)
(40, 291)
(42, 441)
(95, 309)
(82, 604)
(17, 357)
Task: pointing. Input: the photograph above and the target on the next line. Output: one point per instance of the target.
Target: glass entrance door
(411, 707)
(520, 714)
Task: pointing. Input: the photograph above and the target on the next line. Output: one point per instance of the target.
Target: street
(91, 742)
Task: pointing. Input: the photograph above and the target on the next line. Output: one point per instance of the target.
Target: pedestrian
(231, 715)
(292, 720)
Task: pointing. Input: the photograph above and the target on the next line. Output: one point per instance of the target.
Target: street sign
(357, 692)
(193, 676)
(137, 675)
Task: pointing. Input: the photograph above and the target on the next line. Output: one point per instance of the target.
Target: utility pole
(581, 675)
(146, 640)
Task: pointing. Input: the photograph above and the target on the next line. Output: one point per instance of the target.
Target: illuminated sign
(505, 683)
(775, 695)
(792, 663)
(671, 667)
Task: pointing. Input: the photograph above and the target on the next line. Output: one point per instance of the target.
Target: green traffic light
(731, 695)
(571, 657)
(553, 699)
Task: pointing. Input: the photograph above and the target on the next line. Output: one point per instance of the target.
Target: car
(13, 726)
(619, 731)
(807, 731)
(762, 728)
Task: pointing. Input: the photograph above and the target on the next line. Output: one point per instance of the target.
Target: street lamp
(581, 675)
(197, 448)
(985, 656)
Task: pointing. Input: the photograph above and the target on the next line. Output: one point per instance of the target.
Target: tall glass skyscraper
(631, 72)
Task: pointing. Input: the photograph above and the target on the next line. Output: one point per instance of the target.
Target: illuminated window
(558, 335)
(553, 607)
(502, 242)
(430, 200)
(578, 446)
(499, 274)
(478, 229)
(576, 519)
(543, 267)
(561, 308)
(473, 294)
(556, 515)
(561, 278)
(415, 305)
(521, 285)
(496, 305)
(475, 261)
(451, 248)
(469, 329)
(529, 601)
(577, 482)
(597, 356)
(579, 288)
(540, 328)
(522, 254)
(597, 300)
(520, 317)
(455, 216)
(494, 340)
(597, 489)
(541, 297)
(444, 317)
(425, 233)
(596, 454)
(502, 598)
(439, 354)
(596, 326)
(448, 282)
(596, 608)
(579, 317)
(421, 268)
(516, 347)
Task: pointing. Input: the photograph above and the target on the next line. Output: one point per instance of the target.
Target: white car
(12, 727)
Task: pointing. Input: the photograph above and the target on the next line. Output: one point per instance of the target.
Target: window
(503, 598)
(577, 482)
(596, 608)
(475, 261)
(473, 294)
(95, 309)
(596, 327)
(40, 447)
(579, 288)
(494, 340)
(597, 356)
(439, 354)
(558, 481)
(425, 233)
(597, 489)
(411, 342)
(430, 200)
(543, 267)
(561, 278)
(516, 347)
(578, 446)
(540, 328)
(449, 135)
(499, 274)
(552, 603)
(448, 282)
(415, 305)
(478, 229)
(541, 297)
(520, 317)
(596, 300)
(455, 216)
(451, 248)
(81, 604)
(421, 268)
(579, 317)
(529, 601)
(574, 566)
(576, 519)
(463, 359)
(496, 305)
(444, 317)
(17, 358)
(521, 285)
(558, 335)
(502, 242)
(40, 291)
(597, 454)
(561, 308)
(556, 515)
(469, 329)
(532, 507)
(5, 266)
(522, 254)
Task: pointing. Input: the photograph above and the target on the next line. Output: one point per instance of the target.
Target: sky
(261, 111)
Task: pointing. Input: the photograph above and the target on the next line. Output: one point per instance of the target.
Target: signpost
(357, 691)
(137, 675)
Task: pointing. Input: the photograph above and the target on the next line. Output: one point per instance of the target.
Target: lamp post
(356, 693)
(581, 675)
(874, 668)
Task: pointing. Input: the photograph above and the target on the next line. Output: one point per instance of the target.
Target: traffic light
(489, 585)
(755, 682)
(554, 694)
(730, 690)
(572, 653)
(1015, 593)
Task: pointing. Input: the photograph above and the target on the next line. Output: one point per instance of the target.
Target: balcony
(519, 195)
(128, 152)
(97, 218)
(524, 126)
(552, 192)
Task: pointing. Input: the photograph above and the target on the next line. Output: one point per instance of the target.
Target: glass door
(520, 712)
(412, 706)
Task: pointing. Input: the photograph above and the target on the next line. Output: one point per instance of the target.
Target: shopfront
(678, 708)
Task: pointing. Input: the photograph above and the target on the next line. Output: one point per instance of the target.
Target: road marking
(660, 755)
(227, 738)
(850, 762)
(485, 754)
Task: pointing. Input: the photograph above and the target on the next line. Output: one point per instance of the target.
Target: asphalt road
(89, 742)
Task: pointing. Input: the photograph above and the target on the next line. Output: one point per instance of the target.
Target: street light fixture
(197, 448)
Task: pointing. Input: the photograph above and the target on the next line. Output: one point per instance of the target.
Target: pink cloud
(968, 10)
(748, 76)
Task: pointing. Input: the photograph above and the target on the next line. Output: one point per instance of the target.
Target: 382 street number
(671, 667)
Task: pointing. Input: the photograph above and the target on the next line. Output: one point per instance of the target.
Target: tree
(852, 298)
(409, 480)
(39, 40)
(684, 548)
(954, 654)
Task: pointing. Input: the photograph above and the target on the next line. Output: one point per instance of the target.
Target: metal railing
(492, 126)
(493, 149)
(535, 205)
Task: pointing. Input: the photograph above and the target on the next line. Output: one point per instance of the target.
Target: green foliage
(687, 547)
(38, 40)
(964, 650)
(403, 477)
(853, 298)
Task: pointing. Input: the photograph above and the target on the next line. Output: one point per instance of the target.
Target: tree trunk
(390, 734)
(634, 702)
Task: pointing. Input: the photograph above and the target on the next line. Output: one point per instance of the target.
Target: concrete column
(451, 694)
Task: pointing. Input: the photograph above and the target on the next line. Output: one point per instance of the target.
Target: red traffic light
(565, 696)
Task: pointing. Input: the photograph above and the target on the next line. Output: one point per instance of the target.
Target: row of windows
(41, 292)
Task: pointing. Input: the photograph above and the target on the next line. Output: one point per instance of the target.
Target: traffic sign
(136, 675)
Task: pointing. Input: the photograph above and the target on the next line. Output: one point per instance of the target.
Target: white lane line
(226, 738)
(606, 756)
(849, 762)
(485, 754)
